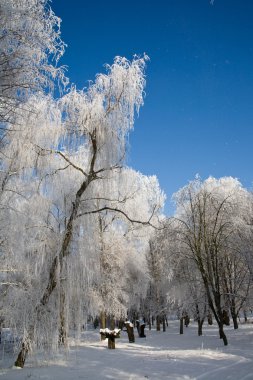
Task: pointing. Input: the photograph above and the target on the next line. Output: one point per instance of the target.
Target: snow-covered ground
(161, 355)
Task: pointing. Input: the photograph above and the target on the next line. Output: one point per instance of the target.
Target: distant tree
(121, 242)
(206, 217)
(160, 277)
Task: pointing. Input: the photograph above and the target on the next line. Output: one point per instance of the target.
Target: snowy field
(161, 355)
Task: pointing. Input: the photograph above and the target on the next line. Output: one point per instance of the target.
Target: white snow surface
(111, 332)
(161, 355)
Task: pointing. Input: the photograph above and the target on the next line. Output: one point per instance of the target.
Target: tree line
(201, 263)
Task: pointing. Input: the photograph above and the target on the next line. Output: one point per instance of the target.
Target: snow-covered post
(110, 335)
(130, 331)
(140, 324)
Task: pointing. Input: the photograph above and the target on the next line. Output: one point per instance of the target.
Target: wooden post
(130, 331)
(110, 335)
(111, 342)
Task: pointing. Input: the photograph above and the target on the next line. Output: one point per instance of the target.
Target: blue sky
(198, 111)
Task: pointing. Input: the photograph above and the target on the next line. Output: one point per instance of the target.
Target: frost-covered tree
(137, 197)
(160, 273)
(30, 44)
(62, 166)
(73, 151)
(191, 294)
(207, 214)
(30, 47)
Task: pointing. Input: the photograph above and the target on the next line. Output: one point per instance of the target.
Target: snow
(162, 355)
(110, 332)
(129, 323)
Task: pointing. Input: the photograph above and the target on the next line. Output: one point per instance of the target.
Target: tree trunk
(225, 318)
(103, 323)
(234, 314)
(200, 325)
(130, 333)
(210, 319)
(150, 323)
(112, 323)
(158, 328)
(20, 362)
(141, 329)
(164, 324)
(217, 313)
(181, 329)
(235, 321)
(63, 253)
(63, 322)
(52, 282)
(138, 326)
(111, 342)
(223, 335)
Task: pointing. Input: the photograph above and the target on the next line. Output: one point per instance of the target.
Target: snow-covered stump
(140, 328)
(130, 331)
(111, 335)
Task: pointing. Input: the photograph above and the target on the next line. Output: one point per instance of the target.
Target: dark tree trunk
(200, 325)
(210, 319)
(186, 320)
(142, 333)
(138, 327)
(235, 321)
(217, 313)
(225, 318)
(158, 327)
(223, 335)
(111, 342)
(234, 314)
(164, 324)
(20, 362)
(181, 329)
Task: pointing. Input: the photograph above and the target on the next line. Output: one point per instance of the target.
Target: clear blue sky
(198, 111)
